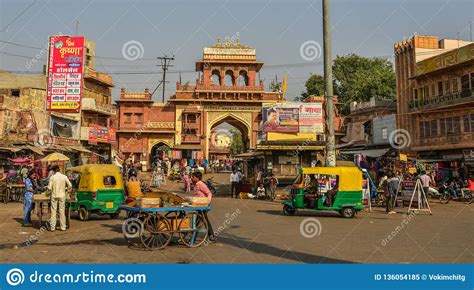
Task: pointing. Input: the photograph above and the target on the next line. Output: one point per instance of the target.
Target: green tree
(357, 78)
(315, 86)
(236, 143)
(360, 78)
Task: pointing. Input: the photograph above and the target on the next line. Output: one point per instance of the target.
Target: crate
(146, 202)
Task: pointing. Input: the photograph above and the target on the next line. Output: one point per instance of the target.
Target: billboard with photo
(65, 67)
(280, 117)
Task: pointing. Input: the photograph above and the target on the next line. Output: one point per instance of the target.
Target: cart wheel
(83, 214)
(156, 233)
(288, 210)
(193, 229)
(347, 212)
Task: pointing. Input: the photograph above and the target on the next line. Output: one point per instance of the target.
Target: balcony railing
(202, 87)
(445, 140)
(442, 100)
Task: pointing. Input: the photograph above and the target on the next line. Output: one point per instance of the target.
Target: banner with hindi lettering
(65, 68)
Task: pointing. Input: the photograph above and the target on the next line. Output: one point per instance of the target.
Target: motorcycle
(210, 185)
(447, 192)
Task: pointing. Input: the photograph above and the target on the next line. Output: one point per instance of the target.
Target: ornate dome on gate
(229, 50)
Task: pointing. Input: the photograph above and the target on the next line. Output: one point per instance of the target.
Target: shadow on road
(304, 213)
(243, 243)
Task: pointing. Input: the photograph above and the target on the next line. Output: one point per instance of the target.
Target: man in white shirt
(234, 183)
(58, 184)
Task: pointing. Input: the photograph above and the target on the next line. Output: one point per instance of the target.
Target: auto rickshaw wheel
(347, 212)
(83, 214)
(289, 210)
(114, 215)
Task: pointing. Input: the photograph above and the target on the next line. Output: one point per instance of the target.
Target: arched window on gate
(229, 78)
(215, 78)
(243, 79)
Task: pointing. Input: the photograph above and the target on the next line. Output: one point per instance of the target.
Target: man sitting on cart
(201, 190)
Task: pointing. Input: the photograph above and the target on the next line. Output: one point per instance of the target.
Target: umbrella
(55, 157)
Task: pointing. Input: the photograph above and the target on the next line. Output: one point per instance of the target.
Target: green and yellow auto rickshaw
(99, 189)
(326, 188)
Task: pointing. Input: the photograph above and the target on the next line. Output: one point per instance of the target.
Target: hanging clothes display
(176, 154)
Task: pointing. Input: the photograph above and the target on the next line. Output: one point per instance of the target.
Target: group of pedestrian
(390, 183)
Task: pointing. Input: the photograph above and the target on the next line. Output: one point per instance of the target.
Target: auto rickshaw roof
(350, 178)
(93, 168)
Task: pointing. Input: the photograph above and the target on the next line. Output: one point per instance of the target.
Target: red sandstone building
(227, 91)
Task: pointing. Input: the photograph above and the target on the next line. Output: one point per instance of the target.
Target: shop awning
(10, 149)
(187, 147)
(80, 149)
(368, 153)
(33, 149)
(290, 147)
(249, 154)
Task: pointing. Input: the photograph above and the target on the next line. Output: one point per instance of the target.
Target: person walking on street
(388, 195)
(187, 182)
(239, 185)
(201, 190)
(234, 184)
(58, 184)
(259, 178)
(425, 181)
(28, 200)
(273, 183)
(394, 188)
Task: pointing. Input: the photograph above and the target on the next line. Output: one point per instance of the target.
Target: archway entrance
(159, 151)
(229, 136)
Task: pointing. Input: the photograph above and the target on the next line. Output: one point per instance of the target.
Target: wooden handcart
(43, 206)
(154, 228)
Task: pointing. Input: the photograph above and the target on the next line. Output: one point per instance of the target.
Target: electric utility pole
(165, 64)
(328, 89)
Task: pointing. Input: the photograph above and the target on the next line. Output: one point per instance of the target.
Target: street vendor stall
(152, 221)
(12, 187)
(43, 206)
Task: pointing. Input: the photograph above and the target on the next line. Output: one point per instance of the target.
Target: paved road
(258, 233)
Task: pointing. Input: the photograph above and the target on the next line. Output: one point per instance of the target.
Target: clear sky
(276, 28)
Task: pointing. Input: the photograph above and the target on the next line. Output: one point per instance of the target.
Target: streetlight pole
(328, 87)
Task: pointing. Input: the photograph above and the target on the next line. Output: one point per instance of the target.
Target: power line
(19, 15)
(165, 64)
